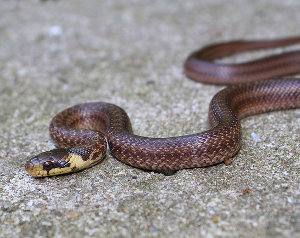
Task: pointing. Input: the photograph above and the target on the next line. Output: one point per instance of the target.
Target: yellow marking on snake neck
(76, 163)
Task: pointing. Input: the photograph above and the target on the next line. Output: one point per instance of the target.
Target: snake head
(44, 164)
(62, 161)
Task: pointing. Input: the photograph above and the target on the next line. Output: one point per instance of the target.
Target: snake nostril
(28, 165)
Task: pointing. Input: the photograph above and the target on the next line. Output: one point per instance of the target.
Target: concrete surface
(54, 54)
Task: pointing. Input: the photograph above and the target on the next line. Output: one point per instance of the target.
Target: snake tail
(201, 66)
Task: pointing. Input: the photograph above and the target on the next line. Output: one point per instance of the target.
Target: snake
(84, 133)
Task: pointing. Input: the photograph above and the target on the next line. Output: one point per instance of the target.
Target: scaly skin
(82, 131)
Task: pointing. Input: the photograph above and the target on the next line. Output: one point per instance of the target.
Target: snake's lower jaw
(33, 170)
(61, 161)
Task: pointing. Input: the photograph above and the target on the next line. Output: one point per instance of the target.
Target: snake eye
(47, 165)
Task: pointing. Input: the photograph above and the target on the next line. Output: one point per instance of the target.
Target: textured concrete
(54, 54)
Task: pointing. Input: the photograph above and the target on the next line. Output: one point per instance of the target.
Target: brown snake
(83, 131)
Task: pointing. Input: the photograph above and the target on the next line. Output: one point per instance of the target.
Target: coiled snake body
(83, 131)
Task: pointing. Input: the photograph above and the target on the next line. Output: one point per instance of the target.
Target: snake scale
(85, 131)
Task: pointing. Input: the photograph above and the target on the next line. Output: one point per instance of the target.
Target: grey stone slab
(54, 54)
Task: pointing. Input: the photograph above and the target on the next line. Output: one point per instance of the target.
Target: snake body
(83, 131)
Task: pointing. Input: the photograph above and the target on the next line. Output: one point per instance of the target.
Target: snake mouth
(29, 166)
(35, 170)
